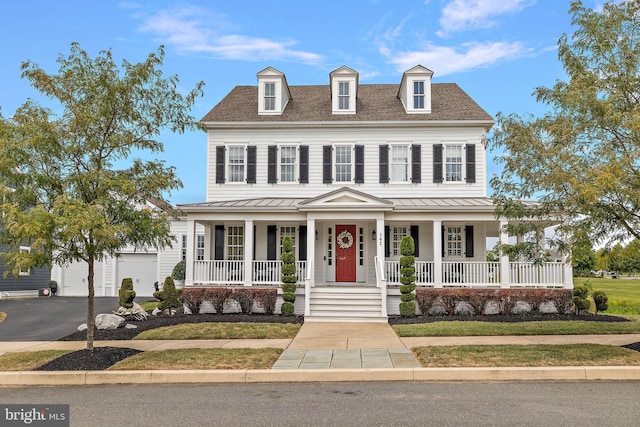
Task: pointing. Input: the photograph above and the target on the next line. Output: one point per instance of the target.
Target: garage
(141, 268)
(74, 282)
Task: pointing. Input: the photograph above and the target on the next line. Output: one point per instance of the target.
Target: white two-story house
(346, 170)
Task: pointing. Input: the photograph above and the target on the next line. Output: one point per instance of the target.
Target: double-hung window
(236, 163)
(399, 163)
(343, 95)
(418, 95)
(344, 163)
(183, 247)
(289, 231)
(269, 96)
(288, 163)
(199, 247)
(454, 241)
(235, 243)
(397, 233)
(454, 163)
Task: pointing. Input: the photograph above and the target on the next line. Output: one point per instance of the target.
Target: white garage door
(74, 279)
(142, 269)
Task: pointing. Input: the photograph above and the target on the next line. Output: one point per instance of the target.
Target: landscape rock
(463, 308)
(492, 308)
(521, 307)
(82, 327)
(548, 307)
(156, 311)
(109, 321)
(130, 326)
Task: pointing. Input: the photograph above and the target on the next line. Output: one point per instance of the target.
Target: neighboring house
(144, 267)
(346, 170)
(27, 282)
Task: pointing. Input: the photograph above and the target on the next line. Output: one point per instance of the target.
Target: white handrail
(381, 283)
(307, 288)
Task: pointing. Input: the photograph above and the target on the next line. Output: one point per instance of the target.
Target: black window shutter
(271, 242)
(302, 245)
(359, 175)
(443, 239)
(384, 164)
(437, 163)
(416, 163)
(304, 164)
(272, 164)
(219, 242)
(387, 241)
(468, 238)
(471, 163)
(327, 166)
(251, 164)
(415, 236)
(220, 164)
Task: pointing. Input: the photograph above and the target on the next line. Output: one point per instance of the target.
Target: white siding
(371, 138)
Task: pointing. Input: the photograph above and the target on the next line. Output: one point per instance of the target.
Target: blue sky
(498, 51)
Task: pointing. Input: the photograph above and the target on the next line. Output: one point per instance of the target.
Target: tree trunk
(90, 316)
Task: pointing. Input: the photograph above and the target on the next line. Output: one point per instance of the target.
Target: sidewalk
(329, 352)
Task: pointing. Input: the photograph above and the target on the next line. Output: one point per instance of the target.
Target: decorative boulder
(492, 308)
(463, 308)
(521, 307)
(130, 326)
(156, 311)
(82, 327)
(548, 307)
(109, 321)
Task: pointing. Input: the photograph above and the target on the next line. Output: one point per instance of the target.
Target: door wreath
(345, 239)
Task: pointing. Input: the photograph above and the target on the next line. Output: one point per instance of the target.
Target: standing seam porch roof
(375, 103)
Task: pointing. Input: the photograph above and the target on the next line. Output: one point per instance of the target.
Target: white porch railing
(550, 274)
(225, 272)
(481, 274)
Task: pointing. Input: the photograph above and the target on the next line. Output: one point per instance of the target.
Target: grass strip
(202, 358)
(545, 327)
(217, 331)
(525, 356)
(28, 360)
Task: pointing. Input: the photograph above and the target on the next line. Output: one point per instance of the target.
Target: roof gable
(345, 199)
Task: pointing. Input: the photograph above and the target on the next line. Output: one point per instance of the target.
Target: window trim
(200, 249)
(416, 95)
(462, 163)
(295, 164)
(269, 97)
(228, 163)
(407, 164)
(23, 273)
(228, 246)
(351, 147)
(342, 96)
(461, 242)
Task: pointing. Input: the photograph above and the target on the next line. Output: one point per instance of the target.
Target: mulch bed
(104, 357)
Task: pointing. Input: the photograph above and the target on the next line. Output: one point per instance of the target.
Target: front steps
(345, 304)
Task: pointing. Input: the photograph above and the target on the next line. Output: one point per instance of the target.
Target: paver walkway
(328, 345)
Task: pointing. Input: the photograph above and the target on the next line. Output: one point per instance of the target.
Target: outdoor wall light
(373, 235)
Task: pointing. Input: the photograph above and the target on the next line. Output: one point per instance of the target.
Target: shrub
(600, 300)
(407, 277)
(218, 297)
(179, 270)
(126, 293)
(580, 301)
(244, 297)
(168, 296)
(288, 277)
(266, 299)
(287, 308)
(193, 299)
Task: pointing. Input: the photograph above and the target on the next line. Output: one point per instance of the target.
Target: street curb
(570, 373)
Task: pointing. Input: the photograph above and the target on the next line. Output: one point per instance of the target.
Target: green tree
(79, 195)
(583, 257)
(582, 157)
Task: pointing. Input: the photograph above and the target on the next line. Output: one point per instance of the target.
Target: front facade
(346, 170)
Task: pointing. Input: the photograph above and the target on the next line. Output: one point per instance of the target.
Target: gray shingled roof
(375, 102)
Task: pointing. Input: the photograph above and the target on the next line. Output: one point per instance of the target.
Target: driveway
(48, 319)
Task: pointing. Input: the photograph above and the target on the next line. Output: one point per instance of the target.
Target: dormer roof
(273, 92)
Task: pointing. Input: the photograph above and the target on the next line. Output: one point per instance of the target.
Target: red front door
(346, 244)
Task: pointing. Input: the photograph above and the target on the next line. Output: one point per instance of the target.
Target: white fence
(225, 272)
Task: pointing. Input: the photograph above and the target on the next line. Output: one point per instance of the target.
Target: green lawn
(624, 294)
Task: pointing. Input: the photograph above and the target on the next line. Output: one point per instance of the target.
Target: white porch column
(380, 240)
(191, 241)
(208, 241)
(248, 252)
(437, 254)
(505, 279)
(311, 249)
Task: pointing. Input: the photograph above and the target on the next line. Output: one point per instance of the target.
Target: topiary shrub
(266, 299)
(168, 296)
(580, 301)
(407, 277)
(244, 297)
(179, 270)
(600, 300)
(289, 278)
(126, 293)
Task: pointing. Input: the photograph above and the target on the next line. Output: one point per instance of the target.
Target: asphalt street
(48, 318)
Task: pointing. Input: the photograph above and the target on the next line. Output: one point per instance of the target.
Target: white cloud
(445, 60)
(194, 30)
(460, 15)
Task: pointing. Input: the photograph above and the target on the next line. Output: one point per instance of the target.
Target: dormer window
(343, 95)
(270, 96)
(418, 95)
(415, 90)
